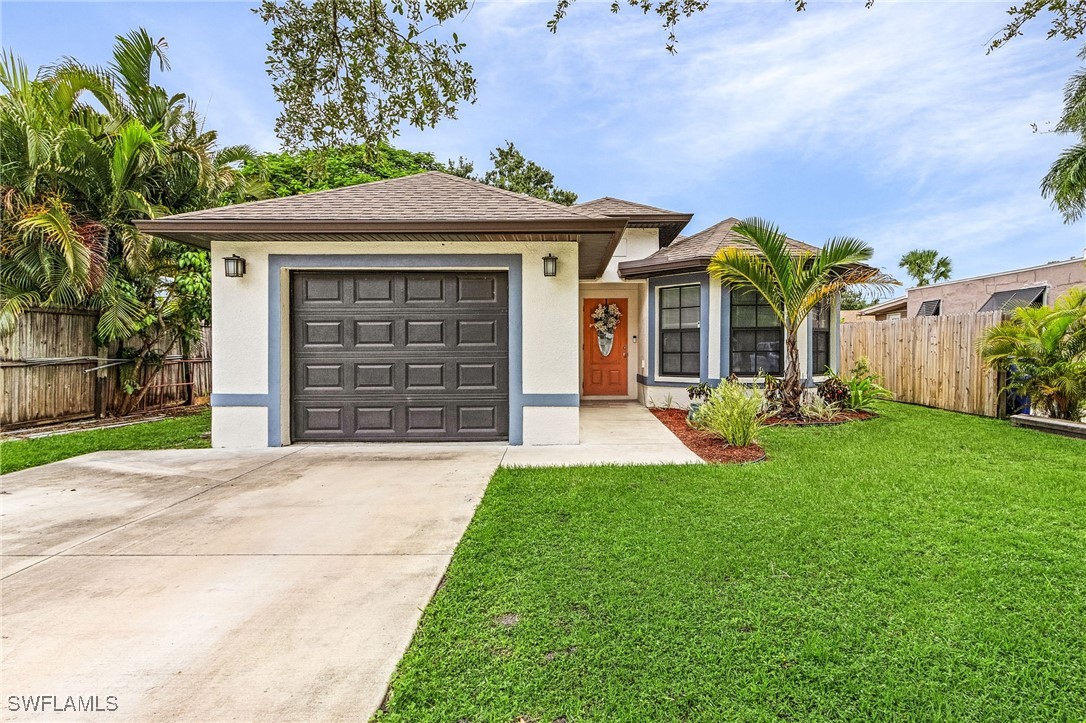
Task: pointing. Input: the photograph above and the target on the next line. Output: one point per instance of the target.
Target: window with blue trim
(757, 337)
(680, 331)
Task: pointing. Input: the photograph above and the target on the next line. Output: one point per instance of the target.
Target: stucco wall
(636, 243)
(549, 323)
(966, 296)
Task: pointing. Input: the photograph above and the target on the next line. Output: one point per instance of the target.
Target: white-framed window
(680, 331)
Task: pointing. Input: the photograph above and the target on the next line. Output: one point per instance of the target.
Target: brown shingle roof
(693, 252)
(640, 215)
(431, 205)
(609, 206)
(429, 196)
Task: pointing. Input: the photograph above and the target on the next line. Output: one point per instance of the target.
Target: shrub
(833, 390)
(863, 388)
(699, 392)
(818, 408)
(1043, 351)
(733, 412)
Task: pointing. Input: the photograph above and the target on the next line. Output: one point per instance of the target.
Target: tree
(513, 172)
(1065, 183)
(926, 266)
(75, 177)
(854, 300)
(793, 283)
(292, 172)
(1043, 351)
(351, 71)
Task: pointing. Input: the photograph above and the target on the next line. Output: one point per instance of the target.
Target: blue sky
(891, 124)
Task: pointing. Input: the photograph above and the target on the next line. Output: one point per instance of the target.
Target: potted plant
(698, 393)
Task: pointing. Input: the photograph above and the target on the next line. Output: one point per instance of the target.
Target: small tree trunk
(792, 385)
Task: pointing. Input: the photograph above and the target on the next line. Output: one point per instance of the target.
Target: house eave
(642, 270)
(597, 238)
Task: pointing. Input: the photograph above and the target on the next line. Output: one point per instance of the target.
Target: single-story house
(436, 308)
(1003, 291)
(885, 311)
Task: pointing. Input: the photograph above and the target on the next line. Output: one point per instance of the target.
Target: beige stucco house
(1006, 290)
(436, 308)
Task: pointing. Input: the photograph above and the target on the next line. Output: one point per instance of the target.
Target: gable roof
(693, 253)
(611, 206)
(640, 215)
(429, 196)
(431, 204)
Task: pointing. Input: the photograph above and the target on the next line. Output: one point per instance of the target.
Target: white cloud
(926, 135)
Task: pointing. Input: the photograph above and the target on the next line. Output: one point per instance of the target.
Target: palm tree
(1065, 182)
(926, 266)
(75, 177)
(793, 282)
(1043, 351)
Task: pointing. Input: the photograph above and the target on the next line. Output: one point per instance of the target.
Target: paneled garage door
(399, 356)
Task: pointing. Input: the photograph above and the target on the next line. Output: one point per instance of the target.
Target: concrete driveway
(220, 585)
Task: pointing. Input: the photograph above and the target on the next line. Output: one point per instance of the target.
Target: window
(821, 323)
(680, 331)
(757, 335)
(929, 308)
(1008, 300)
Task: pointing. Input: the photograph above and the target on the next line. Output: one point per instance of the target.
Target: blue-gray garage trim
(443, 262)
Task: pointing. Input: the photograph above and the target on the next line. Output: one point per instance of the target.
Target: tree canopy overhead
(292, 172)
(352, 71)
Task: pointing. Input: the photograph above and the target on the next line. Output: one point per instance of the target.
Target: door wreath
(605, 318)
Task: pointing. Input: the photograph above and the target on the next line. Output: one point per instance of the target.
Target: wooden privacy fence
(929, 360)
(50, 369)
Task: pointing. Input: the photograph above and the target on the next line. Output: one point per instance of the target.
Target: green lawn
(922, 566)
(175, 433)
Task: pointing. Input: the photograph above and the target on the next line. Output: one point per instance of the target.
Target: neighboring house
(1033, 286)
(436, 308)
(891, 309)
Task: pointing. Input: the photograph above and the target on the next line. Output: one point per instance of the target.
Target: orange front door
(605, 373)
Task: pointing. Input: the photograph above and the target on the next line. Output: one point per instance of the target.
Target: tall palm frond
(1043, 351)
(793, 281)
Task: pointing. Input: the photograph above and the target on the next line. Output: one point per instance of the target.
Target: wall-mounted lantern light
(550, 265)
(235, 266)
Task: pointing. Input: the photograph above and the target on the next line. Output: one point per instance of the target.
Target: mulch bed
(705, 445)
(713, 449)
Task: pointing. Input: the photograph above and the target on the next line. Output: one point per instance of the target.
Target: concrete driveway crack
(173, 504)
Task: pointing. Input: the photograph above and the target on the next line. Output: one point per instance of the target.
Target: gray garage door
(384, 356)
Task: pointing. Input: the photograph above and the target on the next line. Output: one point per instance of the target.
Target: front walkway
(611, 433)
